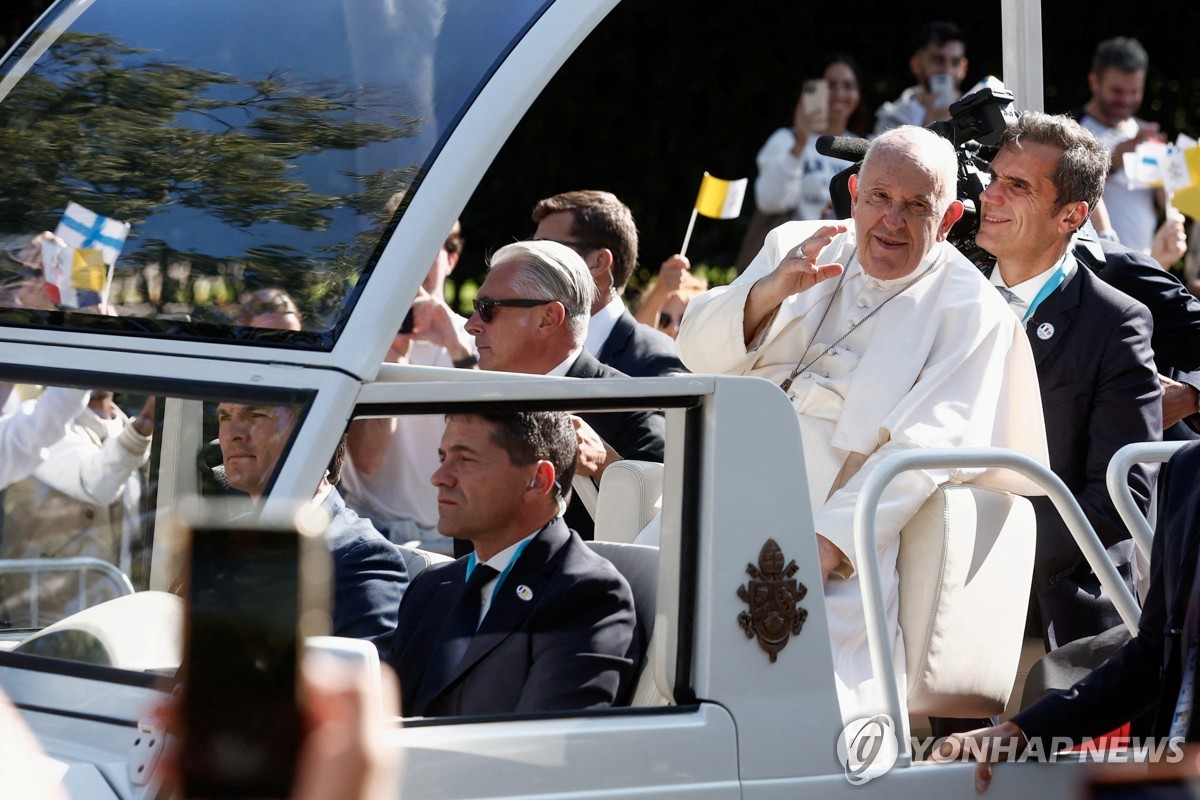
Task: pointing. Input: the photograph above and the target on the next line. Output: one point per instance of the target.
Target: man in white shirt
(531, 316)
(1099, 385)
(885, 339)
(532, 620)
(600, 228)
(939, 63)
(1117, 82)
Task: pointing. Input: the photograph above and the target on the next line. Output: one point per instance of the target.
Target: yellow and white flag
(1185, 189)
(721, 199)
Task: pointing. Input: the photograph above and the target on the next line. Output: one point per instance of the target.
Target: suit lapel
(508, 611)
(438, 668)
(617, 339)
(1058, 311)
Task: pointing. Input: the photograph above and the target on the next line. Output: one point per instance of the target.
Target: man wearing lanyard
(532, 620)
(1092, 347)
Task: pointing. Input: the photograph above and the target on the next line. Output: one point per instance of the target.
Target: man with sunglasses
(531, 316)
(600, 228)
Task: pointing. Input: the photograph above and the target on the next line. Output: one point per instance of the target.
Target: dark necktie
(1010, 296)
(456, 637)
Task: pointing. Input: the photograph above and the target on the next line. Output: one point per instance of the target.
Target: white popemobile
(216, 159)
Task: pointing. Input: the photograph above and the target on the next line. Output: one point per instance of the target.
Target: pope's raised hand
(799, 271)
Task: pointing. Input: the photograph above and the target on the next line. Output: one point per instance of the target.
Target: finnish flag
(86, 230)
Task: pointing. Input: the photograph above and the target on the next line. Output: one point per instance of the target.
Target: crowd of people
(880, 333)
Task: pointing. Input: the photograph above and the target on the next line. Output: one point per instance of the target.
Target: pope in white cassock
(885, 338)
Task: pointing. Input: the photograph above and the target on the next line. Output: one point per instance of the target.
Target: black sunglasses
(485, 308)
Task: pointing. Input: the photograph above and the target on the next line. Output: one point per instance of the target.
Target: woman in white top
(793, 178)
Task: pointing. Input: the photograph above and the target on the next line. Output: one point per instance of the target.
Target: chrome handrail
(865, 543)
(1117, 480)
(35, 567)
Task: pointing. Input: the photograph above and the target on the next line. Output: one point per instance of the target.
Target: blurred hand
(343, 755)
(1003, 742)
(143, 423)
(1170, 240)
(1178, 400)
(594, 453)
(670, 274)
(433, 321)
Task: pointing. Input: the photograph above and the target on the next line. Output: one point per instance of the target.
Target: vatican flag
(720, 199)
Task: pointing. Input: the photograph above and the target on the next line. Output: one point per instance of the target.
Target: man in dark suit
(531, 316)
(1091, 344)
(369, 571)
(532, 620)
(1176, 339)
(1146, 674)
(600, 228)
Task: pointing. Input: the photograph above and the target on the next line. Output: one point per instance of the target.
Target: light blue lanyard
(1048, 288)
(471, 561)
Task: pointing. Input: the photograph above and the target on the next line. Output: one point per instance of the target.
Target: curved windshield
(167, 172)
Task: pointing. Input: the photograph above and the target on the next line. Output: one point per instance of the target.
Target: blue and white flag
(86, 230)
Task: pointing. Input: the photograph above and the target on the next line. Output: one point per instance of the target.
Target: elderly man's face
(503, 343)
(897, 215)
(252, 439)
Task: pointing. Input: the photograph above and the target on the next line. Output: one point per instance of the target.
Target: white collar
(561, 370)
(1028, 290)
(601, 325)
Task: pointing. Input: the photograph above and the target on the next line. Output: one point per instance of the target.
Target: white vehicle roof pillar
(1021, 29)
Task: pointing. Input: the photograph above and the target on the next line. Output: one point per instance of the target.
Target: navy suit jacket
(369, 576)
(639, 351)
(1099, 392)
(639, 435)
(1176, 313)
(568, 641)
(1145, 674)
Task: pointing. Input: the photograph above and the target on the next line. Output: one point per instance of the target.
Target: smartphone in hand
(941, 88)
(814, 100)
(253, 593)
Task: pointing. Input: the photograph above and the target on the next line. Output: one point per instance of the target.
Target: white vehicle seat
(639, 564)
(630, 496)
(416, 559)
(965, 567)
(142, 632)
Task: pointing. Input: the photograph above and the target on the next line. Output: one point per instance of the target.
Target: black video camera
(976, 124)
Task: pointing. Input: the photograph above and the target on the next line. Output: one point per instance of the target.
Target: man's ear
(961, 72)
(554, 315)
(1093, 83)
(852, 185)
(953, 214)
(1073, 216)
(602, 260)
(452, 260)
(541, 483)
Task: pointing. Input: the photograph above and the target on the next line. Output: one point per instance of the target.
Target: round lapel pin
(525, 593)
(1045, 331)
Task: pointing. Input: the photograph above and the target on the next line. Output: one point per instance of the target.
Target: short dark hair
(1121, 53)
(1083, 166)
(937, 32)
(454, 242)
(598, 218)
(532, 436)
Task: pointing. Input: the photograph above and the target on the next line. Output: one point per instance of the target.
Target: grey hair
(1083, 166)
(924, 147)
(552, 271)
